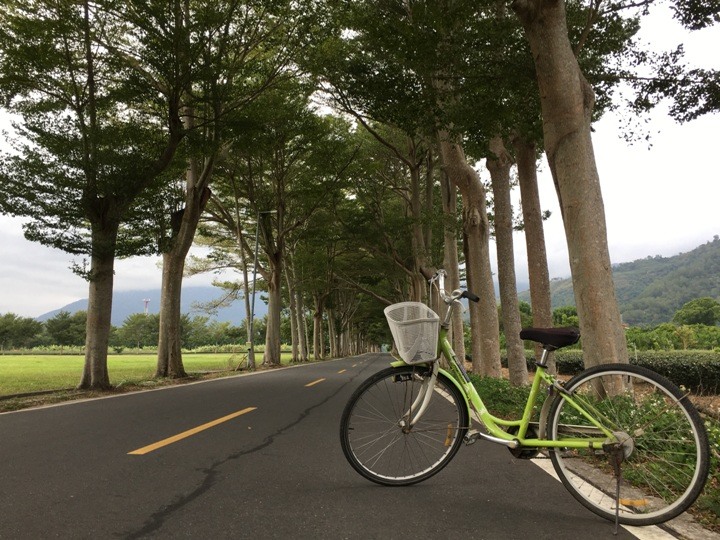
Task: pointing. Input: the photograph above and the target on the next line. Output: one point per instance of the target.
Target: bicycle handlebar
(439, 277)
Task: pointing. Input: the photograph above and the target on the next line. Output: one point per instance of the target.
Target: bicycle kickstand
(616, 458)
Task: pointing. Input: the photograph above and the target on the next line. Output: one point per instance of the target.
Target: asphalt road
(255, 456)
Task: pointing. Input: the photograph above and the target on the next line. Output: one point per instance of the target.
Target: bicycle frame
(626, 442)
(494, 425)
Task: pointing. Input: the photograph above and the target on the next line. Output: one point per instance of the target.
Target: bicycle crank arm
(473, 435)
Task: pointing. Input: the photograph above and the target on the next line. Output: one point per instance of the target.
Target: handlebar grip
(470, 296)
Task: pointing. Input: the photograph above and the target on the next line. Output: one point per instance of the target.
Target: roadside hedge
(696, 370)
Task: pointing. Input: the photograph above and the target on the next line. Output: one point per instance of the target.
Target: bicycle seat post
(544, 357)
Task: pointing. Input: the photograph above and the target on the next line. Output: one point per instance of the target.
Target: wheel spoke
(381, 440)
(664, 450)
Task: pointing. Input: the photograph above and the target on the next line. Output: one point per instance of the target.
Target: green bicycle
(625, 441)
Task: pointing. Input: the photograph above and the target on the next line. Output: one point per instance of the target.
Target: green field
(33, 373)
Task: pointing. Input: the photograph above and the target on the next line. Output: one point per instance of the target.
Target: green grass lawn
(32, 373)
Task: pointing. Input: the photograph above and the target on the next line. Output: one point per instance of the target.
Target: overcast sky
(659, 200)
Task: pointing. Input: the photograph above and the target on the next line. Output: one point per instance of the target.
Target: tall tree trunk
(567, 102)
(318, 341)
(419, 246)
(345, 342)
(429, 199)
(294, 335)
(170, 362)
(540, 297)
(300, 322)
(103, 239)
(184, 224)
(333, 334)
(95, 372)
(499, 167)
(272, 331)
(484, 318)
(450, 260)
(301, 325)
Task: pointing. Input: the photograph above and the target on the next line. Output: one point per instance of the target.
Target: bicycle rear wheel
(661, 452)
(380, 436)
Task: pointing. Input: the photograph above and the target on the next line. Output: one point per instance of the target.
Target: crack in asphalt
(158, 518)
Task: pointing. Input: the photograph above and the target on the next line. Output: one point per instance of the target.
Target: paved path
(255, 456)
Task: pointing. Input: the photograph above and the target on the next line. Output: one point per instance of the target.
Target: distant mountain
(126, 303)
(651, 290)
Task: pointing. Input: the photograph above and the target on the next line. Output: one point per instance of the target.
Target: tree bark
(499, 167)
(301, 325)
(450, 261)
(95, 372)
(420, 255)
(169, 362)
(540, 297)
(484, 319)
(294, 335)
(298, 328)
(318, 341)
(104, 231)
(185, 222)
(272, 331)
(332, 333)
(567, 102)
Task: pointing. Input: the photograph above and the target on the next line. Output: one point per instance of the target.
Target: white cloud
(35, 279)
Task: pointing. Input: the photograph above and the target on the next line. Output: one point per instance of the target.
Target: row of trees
(139, 117)
(696, 326)
(138, 331)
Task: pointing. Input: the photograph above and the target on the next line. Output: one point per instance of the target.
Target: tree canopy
(705, 311)
(341, 128)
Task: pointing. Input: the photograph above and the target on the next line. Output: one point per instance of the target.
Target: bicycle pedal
(471, 436)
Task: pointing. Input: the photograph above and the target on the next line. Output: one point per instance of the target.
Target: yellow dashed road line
(314, 383)
(185, 434)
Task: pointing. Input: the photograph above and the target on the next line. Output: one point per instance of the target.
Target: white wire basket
(414, 328)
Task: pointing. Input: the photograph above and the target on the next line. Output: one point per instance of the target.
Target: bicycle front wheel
(389, 440)
(659, 450)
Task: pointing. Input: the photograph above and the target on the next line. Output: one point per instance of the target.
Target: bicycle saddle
(551, 338)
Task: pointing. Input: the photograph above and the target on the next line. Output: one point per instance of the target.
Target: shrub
(696, 370)
(506, 400)
(568, 362)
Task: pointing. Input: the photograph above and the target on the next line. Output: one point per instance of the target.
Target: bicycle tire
(664, 455)
(374, 441)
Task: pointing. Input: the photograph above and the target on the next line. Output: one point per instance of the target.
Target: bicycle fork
(421, 401)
